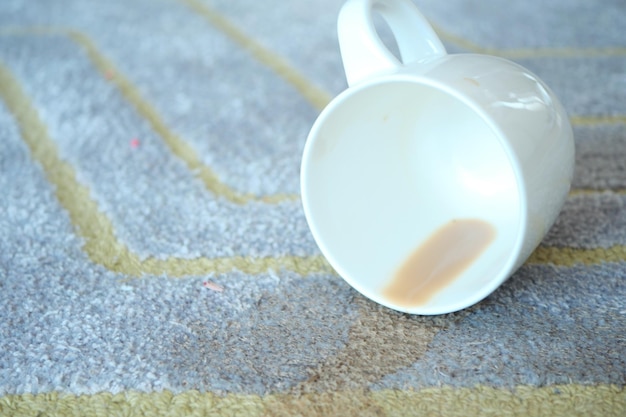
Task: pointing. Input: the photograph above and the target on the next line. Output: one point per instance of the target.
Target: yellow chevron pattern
(103, 248)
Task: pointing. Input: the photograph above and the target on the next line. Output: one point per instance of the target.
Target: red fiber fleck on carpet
(212, 286)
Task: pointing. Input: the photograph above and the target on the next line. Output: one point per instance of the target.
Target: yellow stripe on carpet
(519, 53)
(588, 191)
(572, 256)
(527, 401)
(597, 120)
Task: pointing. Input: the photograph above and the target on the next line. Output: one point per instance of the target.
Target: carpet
(155, 258)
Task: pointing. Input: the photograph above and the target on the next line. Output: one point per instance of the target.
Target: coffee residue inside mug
(448, 252)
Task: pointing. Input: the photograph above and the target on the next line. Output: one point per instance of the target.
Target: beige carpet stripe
(589, 191)
(518, 53)
(597, 120)
(527, 401)
(316, 96)
(572, 256)
(100, 243)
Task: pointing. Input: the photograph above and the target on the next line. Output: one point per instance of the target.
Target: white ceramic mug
(415, 144)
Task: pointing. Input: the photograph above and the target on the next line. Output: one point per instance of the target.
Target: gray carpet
(154, 254)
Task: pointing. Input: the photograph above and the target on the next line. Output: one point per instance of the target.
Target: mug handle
(363, 53)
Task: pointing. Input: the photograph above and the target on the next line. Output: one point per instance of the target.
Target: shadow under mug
(412, 145)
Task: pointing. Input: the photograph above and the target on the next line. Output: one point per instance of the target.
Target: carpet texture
(155, 259)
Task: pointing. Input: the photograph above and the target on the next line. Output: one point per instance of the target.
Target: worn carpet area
(155, 259)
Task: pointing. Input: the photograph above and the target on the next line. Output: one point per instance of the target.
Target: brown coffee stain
(380, 342)
(438, 261)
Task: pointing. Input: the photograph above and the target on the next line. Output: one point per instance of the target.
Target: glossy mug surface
(431, 179)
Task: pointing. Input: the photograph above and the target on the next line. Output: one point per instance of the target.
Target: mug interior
(389, 163)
